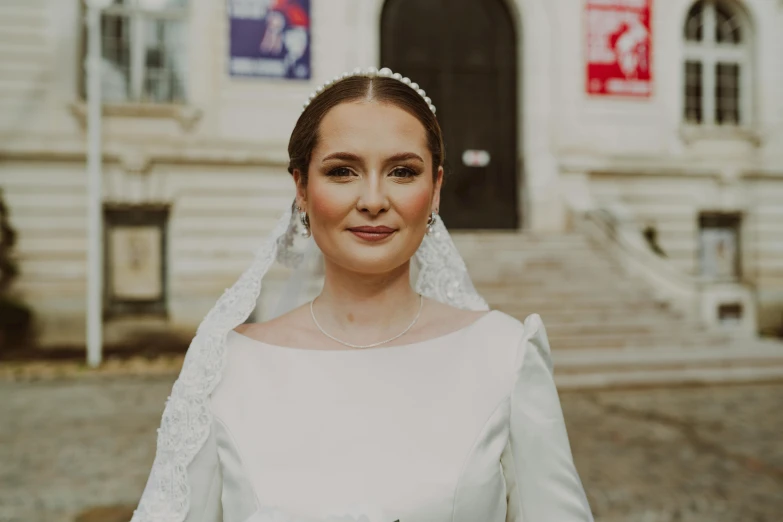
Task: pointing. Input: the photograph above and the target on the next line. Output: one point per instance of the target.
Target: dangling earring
(431, 221)
(305, 220)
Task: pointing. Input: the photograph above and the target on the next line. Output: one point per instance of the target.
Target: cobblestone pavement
(706, 454)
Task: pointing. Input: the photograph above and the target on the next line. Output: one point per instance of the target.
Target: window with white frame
(144, 51)
(718, 63)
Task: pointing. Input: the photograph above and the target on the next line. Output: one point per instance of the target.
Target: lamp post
(94, 185)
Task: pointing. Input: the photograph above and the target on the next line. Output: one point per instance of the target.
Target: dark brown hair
(304, 137)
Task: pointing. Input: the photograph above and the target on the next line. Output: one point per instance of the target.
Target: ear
(301, 189)
(436, 190)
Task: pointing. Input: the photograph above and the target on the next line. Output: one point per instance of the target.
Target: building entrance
(464, 54)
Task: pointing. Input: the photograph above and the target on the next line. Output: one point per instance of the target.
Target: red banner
(619, 42)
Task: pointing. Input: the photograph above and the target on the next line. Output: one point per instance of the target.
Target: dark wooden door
(463, 53)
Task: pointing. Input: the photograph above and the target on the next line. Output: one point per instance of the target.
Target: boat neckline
(432, 340)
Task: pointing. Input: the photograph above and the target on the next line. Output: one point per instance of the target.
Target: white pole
(94, 191)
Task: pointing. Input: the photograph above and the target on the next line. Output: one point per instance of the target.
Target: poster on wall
(718, 253)
(269, 38)
(136, 263)
(619, 43)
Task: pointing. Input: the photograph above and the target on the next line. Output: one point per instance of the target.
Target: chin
(371, 259)
(368, 258)
(373, 263)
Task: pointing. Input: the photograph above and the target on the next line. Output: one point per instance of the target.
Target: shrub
(16, 318)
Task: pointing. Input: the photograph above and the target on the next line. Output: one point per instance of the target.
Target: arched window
(718, 60)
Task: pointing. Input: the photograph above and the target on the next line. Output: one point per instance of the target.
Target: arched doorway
(463, 53)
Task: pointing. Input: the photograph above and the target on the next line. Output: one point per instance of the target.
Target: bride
(377, 401)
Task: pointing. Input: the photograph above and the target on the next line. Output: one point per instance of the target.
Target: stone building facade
(198, 156)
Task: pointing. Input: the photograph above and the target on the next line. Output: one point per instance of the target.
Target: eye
(339, 172)
(404, 172)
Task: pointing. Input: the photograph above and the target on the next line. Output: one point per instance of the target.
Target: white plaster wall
(763, 259)
(647, 129)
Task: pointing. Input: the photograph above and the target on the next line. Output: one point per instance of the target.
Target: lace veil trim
(443, 275)
(187, 418)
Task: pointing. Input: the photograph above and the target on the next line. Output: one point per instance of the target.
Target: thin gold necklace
(312, 314)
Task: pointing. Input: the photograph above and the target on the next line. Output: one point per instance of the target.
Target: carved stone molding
(694, 133)
(140, 157)
(135, 161)
(186, 115)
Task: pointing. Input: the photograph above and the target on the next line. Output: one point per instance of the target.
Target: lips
(372, 233)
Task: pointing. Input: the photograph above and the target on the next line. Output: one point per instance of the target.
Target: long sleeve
(204, 483)
(542, 482)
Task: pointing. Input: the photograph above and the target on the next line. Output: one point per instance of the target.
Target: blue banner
(269, 38)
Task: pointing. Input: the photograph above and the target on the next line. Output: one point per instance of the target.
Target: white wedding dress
(466, 427)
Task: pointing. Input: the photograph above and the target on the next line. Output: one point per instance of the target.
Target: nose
(373, 198)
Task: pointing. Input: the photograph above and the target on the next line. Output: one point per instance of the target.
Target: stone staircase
(605, 327)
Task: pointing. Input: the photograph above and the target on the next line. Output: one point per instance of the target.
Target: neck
(375, 304)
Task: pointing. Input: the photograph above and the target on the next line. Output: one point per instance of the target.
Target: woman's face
(371, 187)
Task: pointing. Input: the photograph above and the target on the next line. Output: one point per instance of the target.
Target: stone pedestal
(729, 307)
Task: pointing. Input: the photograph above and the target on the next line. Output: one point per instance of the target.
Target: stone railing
(615, 228)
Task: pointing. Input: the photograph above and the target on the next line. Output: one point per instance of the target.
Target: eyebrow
(404, 156)
(348, 156)
(344, 156)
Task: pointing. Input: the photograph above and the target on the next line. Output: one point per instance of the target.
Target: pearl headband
(371, 72)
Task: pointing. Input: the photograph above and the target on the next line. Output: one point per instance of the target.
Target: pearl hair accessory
(371, 72)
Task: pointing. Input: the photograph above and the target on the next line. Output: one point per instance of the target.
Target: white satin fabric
(466, 427)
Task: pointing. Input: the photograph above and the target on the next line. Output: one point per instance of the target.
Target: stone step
(665, 366)
(610, 340)
(501, 272)
(630, 326)
(605, 327)
(562, 282)
(676, 329)
(558, 277)
(552, 245)
(561, 248)
(605, 316)
(744, 353)
(559, 252)
(561, 288)
(539, 302)
(514, 240)
(498, 276)
(580, 260)
(677, 376)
